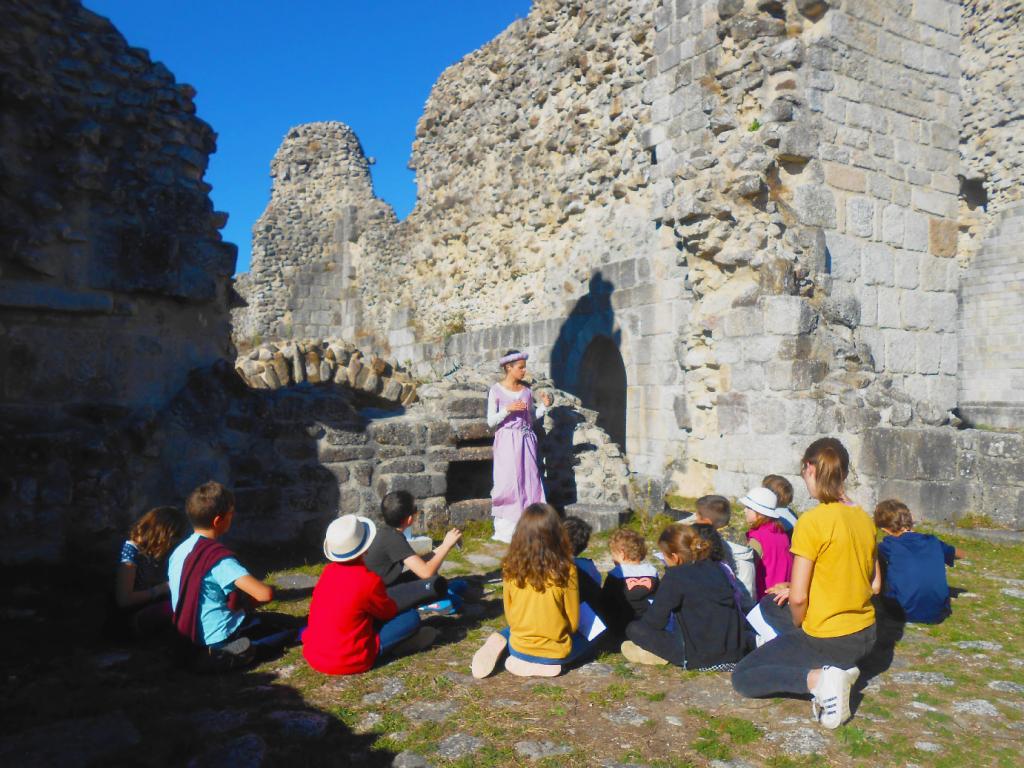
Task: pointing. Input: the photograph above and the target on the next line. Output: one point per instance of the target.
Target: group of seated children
(815, 590)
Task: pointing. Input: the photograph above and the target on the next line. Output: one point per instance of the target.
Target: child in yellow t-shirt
(542, 602)
(829, 597)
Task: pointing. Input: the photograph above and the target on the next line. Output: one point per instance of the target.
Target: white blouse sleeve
(539, 409)
(494, 415)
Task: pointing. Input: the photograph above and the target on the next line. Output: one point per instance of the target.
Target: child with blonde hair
(695, 620)
(542, 602)
(630, 585)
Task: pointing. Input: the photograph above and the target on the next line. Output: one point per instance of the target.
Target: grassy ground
(952, 695)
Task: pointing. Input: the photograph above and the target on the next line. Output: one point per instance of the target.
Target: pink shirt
(776, 562)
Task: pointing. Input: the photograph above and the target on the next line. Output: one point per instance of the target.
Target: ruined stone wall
(114, 280)
(307, 242)
(770, 239)
(992, 298)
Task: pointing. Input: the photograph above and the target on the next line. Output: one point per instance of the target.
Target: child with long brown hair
(829, 595)
(141, 593)
(542, 602)
(695, 621)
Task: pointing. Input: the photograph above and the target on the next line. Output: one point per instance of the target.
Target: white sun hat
(348, 537)
(763, 501)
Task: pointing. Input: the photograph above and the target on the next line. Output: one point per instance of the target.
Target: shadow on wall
(295, 458)
(585, 359)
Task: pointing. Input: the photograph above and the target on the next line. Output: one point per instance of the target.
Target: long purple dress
(517, 482)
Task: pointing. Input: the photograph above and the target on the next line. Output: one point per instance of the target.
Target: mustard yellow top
(542, 623)
(840, 540)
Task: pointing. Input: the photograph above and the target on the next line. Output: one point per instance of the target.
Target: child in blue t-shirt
(914, 565)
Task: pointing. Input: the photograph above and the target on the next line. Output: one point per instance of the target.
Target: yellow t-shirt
(840, 540)
(542, 623)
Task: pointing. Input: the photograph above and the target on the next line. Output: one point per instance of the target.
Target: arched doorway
(602, 387)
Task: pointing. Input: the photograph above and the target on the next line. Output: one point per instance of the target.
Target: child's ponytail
(685, 543)
(831, 463)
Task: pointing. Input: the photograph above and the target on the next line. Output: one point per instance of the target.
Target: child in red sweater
(352, 620)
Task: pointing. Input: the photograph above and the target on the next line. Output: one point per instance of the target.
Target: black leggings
(412, 592)
(668, 644)
(781, 665)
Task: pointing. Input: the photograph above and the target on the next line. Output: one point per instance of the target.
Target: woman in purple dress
(510, 409)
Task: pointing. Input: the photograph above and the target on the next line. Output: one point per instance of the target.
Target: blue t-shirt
(915, 574)
(216, 620)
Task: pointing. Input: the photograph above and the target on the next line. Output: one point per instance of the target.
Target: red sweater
(341, 638)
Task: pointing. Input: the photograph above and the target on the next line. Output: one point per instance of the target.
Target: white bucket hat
(348, 537)
(762, 501)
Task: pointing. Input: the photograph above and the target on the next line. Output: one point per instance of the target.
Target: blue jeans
(581, 648)
(403, 626)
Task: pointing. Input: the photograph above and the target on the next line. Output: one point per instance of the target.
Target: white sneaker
(831, 703)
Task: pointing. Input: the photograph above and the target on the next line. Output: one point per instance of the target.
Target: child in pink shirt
(767, 537)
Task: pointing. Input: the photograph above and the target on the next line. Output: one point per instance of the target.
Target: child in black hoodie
(706, 630)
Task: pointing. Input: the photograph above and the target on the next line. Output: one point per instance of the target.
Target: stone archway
(602, 386)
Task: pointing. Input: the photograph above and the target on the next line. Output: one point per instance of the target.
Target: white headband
(513, 357)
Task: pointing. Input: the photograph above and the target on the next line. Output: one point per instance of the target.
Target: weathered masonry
(732, 226)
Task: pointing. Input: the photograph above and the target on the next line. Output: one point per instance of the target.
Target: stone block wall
(992, 326)
(757, 202)
(114, 280)
(307, 243)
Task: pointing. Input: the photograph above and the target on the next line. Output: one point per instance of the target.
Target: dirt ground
(945, 695)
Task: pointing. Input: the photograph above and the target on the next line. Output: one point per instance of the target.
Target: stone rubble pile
(271, 367)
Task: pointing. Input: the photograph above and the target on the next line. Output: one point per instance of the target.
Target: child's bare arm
(800, 588)
(960, 554)
(424, 569)
(876, 580)
(254, 588)
(125, 593)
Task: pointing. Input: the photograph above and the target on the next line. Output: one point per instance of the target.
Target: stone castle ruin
(721, 228)
(729, 226)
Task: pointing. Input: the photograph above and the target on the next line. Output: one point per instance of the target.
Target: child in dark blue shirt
(914, 564)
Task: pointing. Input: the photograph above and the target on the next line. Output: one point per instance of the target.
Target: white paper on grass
(764, 630)
(590, 623)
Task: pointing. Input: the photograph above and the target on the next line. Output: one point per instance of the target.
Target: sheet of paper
(763, 628)
(590, 623)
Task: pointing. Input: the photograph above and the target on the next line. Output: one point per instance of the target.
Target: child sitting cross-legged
(352, 620)
(630, 585)
(695, 620)
(411, 580)
(142, 607)
(211, 590)
(542, 602)
(914, 564)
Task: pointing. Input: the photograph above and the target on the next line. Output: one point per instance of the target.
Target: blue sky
(262, 66)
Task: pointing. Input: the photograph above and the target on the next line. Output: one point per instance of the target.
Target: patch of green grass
(856, 741)
(614, 692)
(740, 731)
(710, 744)
(655, 696)
(976, 520)
(554, 692)
(804, 761)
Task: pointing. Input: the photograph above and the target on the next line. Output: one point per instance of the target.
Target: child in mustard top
(542, 602)
(829, 597)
